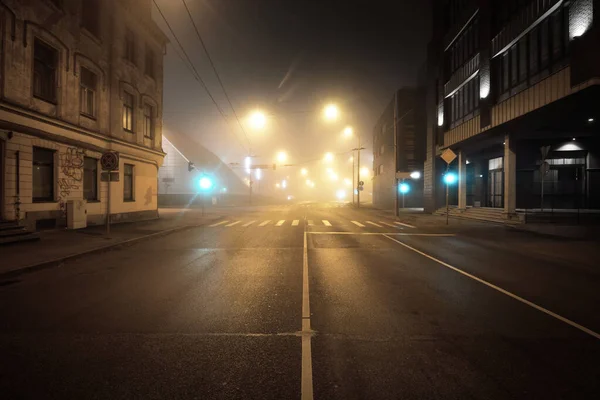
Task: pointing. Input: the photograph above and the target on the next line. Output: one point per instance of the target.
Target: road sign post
(448, 156)
(109, 163)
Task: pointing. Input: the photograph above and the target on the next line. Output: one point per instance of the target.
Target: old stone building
(79, 78)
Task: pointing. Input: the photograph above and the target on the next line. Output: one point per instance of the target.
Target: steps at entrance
(12, 232)
(478, 213)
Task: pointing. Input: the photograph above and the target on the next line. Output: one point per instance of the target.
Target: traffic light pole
(358, 176)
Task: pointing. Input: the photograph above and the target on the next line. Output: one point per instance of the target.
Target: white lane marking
(218, 223)
(248, 223)
(311, 222)
(384, 233)
(326, 223)
(373, 223)
(280, 222)
(503, 291)
(403, 224)
(358, 224)
(264, 223)
(233, 223)
(387, 224)
(307, 375)
(295, 222)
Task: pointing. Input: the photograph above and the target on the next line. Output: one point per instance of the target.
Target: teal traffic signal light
(404, 188)
(450, 178)
(205, 183)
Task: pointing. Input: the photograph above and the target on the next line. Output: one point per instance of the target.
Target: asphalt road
(307, 301)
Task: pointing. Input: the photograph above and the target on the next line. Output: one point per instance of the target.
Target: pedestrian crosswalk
(300, 223)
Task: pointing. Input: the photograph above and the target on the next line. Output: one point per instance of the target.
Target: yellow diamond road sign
(448, 155)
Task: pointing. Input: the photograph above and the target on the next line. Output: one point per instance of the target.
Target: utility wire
(215, 70)
(196, 74)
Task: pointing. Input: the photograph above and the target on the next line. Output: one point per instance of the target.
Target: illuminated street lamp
(415, 175)
(364, 171)
(284, 183)
(282, 156)
(257, 120)
(348, 131)
(331, 112)
(303, 172)
(328, 157)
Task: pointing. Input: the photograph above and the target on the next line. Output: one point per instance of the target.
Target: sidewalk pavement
(58, 246)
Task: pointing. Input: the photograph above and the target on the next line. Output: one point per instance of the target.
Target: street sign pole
(447, 207)
(448, 156)
(108, 207)
(358, 174)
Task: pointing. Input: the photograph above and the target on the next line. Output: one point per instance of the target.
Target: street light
(364, 171)
(328, 157)
(331, 112)
(303, 172)
(205, 183)
(282, 156)
(348, 131)
(257, 120)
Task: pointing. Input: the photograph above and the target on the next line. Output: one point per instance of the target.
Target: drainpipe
(18, 194)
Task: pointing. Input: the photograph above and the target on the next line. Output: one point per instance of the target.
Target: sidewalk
(58, 246)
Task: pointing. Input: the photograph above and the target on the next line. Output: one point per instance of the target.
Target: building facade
(79, 78)
(399, 146)
(514, 88)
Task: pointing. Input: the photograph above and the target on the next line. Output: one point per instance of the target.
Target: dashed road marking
(326, 223)
(295, 222)
(358, 224)
(218, 223)
(388, 224)
(248, 223)
(280, 222)
(374, 224)
(233, 223)
(264, 223)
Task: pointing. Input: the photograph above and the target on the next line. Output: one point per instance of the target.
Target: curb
(61, 260)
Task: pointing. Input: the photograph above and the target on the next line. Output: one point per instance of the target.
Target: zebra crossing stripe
(233, 223)
(374, 224)
(264, 223)
(358, 224)
(295, 222)
(280, 222)
(218, 223)
(248, 223)
(403, 224)
(387, 224)
(326, 223)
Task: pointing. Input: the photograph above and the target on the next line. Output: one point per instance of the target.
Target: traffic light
(205, 183)
(403, 188)
(191, 166)
(450, 178)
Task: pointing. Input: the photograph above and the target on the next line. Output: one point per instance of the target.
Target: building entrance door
(496, 189)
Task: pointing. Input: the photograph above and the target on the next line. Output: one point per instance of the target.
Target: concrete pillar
(510, 177)
(462, 180)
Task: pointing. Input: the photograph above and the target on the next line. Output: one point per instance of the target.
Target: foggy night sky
(353, 53)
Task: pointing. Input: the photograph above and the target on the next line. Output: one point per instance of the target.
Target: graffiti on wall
(71, 168)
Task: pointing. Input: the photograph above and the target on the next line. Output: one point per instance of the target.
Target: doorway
(495, 195)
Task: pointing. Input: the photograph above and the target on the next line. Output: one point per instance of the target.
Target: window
(90, 16)
(496, 163)
(44, 71)
(505, 73)
(464, 47)
(90, 178)
(522, 61)
(130, 46)
(380, 169)
(128, 183)
(128, 111)
(544, 45)
(534, 51)
(149, 62)
(557, 35)
(513, 66)
(148, 121)
(43, 174)
(87, 94)
(382, 149)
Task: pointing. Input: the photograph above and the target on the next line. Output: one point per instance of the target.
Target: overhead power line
(215, 70)
(189, 64)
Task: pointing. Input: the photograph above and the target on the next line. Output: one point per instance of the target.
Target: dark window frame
(129, 50)
(88, 90)
(129, 183)
(128, 111)
(150, 62)
(45, 71)
(148, 121)
(90, 173)
(51, 166)
(90, 16)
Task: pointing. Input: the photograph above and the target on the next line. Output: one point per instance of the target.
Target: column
(510, 177)
(462, 180)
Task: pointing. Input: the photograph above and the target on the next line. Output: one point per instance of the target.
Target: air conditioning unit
(76, 214)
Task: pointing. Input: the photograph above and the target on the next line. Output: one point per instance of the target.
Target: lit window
(128, 111)
(148, 121)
